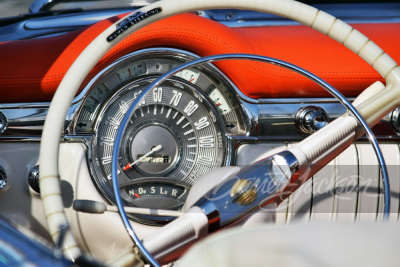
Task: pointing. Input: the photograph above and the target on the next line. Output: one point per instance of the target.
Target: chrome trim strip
(72, 21)
(46, 5)
(26, 120)
(8, 139)
(24, 105)
(272, 119)
(41, 5)
(348, 12)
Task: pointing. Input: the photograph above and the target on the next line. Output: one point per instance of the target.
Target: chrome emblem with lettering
(132, 20)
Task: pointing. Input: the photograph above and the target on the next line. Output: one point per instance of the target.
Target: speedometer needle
(154, 149)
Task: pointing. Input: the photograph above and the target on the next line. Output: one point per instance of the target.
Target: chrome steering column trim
(252, 188)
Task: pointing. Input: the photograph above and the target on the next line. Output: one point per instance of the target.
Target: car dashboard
(227, 114)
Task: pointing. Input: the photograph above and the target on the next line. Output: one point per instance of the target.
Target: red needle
(128, 166)
(191, 80)
(137, 195)
(95, 99)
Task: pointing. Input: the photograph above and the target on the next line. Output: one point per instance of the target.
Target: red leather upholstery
(30, 70)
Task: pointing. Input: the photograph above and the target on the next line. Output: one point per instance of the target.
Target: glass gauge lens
(176, 134)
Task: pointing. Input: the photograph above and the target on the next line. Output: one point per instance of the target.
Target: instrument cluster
(176, 135)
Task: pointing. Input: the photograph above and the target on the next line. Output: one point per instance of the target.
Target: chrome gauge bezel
(183, 56)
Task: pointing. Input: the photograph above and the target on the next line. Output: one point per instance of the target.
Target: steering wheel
(372, 109)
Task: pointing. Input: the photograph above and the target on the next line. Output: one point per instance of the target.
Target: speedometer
(176, 135)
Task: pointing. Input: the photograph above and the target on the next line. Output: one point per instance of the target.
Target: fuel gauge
(188, 75)
(220, 101)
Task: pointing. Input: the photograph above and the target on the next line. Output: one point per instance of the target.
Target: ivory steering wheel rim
(309, 16)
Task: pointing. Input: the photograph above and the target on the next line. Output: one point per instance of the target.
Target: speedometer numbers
(175, 135)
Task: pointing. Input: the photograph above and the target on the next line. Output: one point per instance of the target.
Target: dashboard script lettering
(132, 20)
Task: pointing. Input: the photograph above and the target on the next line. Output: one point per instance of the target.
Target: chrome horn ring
(214, 58)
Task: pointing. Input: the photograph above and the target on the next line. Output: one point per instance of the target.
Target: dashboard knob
(3, 178)
(3, 122)
(33, 179)
(395, 120)
(310, 119)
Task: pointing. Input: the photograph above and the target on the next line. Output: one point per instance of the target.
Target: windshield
(9, 8)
